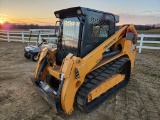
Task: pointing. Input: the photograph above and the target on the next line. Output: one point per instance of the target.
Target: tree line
(9, 26)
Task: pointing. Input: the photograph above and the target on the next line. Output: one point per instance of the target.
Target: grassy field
(154, 31)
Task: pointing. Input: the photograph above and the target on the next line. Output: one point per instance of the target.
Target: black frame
(84, 17)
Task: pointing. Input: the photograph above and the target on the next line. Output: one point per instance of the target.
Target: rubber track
(96, 77)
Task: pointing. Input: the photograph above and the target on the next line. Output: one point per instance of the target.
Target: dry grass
(18, 99)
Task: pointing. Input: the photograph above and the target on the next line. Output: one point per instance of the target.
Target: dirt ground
(140, 100)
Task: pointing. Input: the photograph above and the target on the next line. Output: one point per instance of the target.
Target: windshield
(70, 31)
(69, 36)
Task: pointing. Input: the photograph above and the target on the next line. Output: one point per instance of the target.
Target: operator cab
(81, 30)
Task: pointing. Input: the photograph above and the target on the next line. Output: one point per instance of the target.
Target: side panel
(98, 27)
(106, 85)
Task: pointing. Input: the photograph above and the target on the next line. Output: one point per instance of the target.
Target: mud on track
(140, 100)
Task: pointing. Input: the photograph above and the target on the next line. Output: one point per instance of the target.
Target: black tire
(26, 55)
(34, 58)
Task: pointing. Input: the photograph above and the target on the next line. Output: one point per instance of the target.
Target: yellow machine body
(83, 66)
(101, 66)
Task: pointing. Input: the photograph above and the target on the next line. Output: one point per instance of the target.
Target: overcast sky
(41, 11)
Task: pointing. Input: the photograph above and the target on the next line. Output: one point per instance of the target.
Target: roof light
(79, 12)
(57, 15)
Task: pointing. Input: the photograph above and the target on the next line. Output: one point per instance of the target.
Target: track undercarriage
(98, 76)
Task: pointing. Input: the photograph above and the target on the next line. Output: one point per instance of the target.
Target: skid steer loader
(92, 60)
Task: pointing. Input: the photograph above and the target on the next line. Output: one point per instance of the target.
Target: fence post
(48, 38)
(37, 43)
(8, 37)
(22, 37)
(141, 42)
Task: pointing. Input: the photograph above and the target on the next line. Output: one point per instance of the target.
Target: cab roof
(84, 11)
